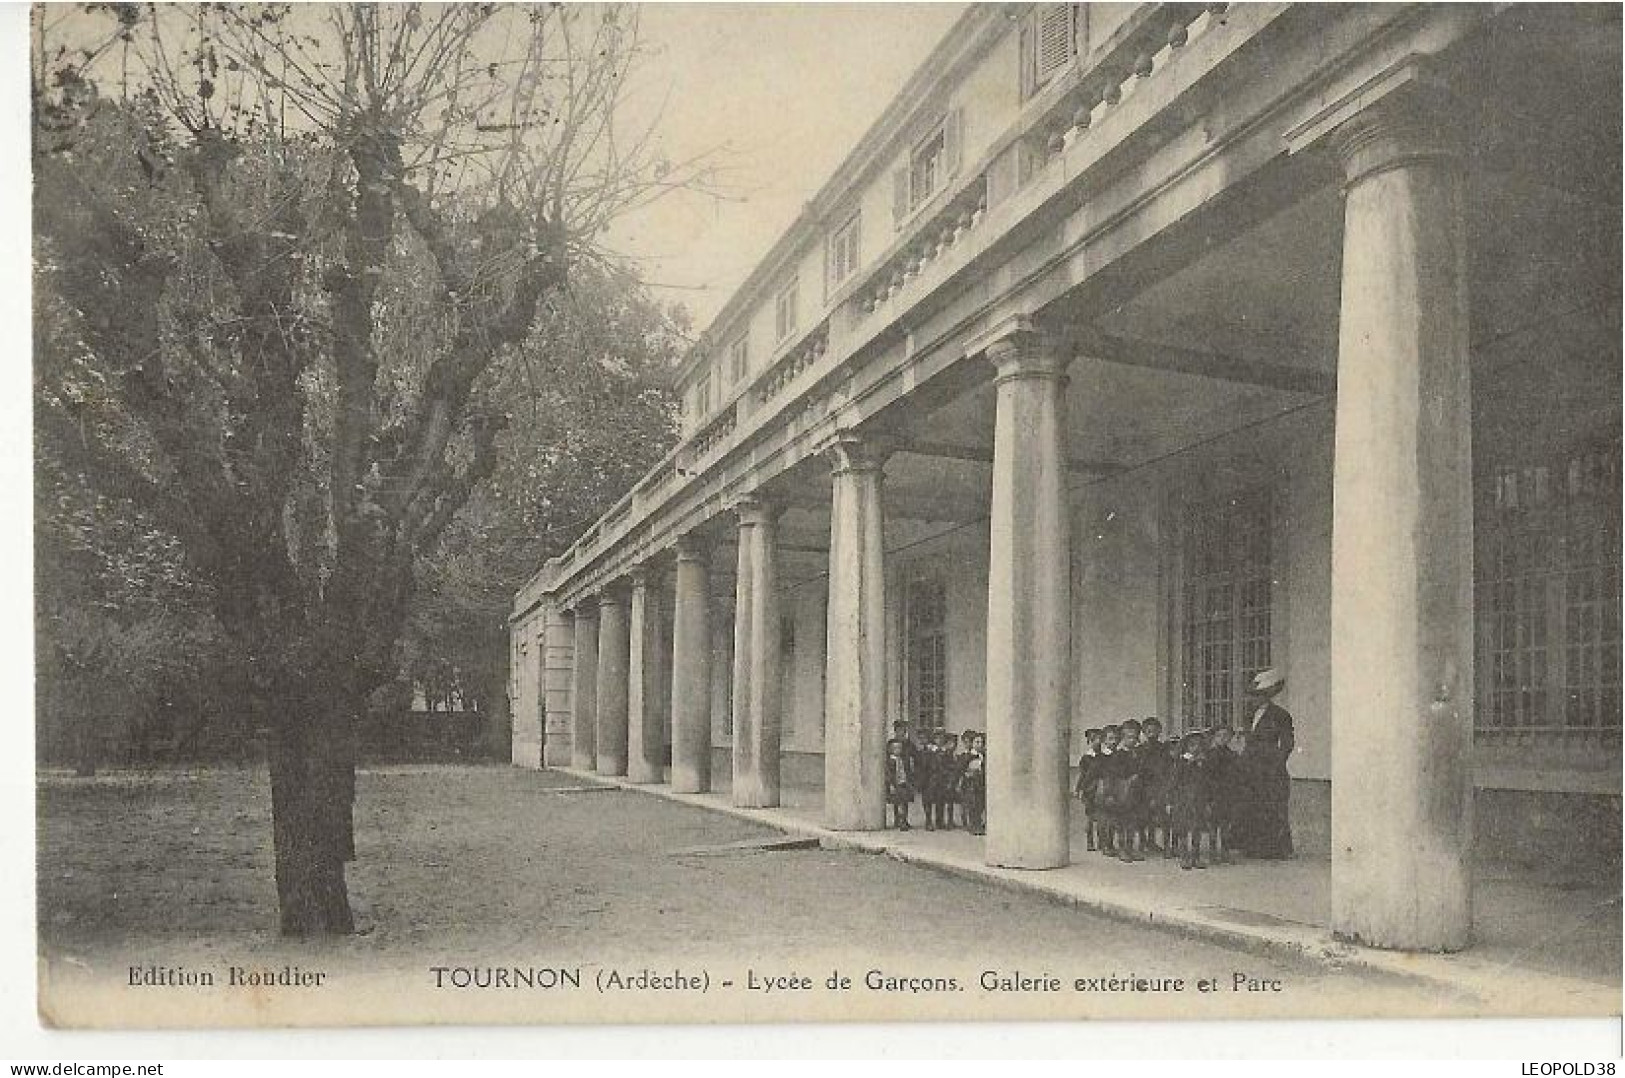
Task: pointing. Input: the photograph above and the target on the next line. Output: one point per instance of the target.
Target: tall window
(1225, 611)
(926, 169)
(843, 251)
(1050, 38)
(784, 310)
(738, 359)
(926, 640)
(1547, 592)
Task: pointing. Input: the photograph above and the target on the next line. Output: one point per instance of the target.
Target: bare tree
(290, 254)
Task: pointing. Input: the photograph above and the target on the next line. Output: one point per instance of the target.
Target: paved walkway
(1556, 945)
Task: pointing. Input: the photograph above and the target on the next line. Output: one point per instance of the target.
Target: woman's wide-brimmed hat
(1266, 680)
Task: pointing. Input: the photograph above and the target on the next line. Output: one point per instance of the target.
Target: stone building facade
(1136, 348)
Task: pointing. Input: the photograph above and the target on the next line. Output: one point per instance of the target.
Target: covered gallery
(1134, 349)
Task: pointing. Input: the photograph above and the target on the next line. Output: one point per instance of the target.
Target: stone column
(691, 670)
(756, 659)
(1029, 608)
(614, 658)
(1402, 541)
(584, 691)
(855, 656)
(645, 715)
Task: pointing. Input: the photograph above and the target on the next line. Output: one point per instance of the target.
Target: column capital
(1400, 116)
(641, 575)
(693, 547)
(1396, 132)
(849, 451)
(1018, 348)
(614, 593)
(756, 509)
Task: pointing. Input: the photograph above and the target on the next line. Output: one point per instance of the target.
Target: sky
(779, 93)
(773, 95)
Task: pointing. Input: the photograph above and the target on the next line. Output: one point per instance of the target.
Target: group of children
(947, 773)
(1185, 797)
(1190, 792)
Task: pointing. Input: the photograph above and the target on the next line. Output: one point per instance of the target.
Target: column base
(1035, 861)
(751, 796)
(643, 775)
(1407, 946)
(856, 825)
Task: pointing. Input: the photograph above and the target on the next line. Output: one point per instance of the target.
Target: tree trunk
(312, 811)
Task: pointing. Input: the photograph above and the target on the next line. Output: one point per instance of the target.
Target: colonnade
(1401, 614)
(618, 722)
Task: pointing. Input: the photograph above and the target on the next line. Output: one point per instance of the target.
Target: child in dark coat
(1125, 794)
(1223, 769)
(973, 786)
(1162, 797)
(926, 763)
(956, 800)
(938, 782)
(1190, 800)
(1154, 777)
(1105, 762)
(899, 783)
(1088, 765)
(1241, 792)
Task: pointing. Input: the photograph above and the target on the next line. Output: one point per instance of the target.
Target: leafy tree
(288, 260)
(596, 415)
(122, 628)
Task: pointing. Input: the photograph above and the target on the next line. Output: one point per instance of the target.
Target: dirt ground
(493, 866)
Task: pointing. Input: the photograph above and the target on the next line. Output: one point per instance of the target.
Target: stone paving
(1556, 941)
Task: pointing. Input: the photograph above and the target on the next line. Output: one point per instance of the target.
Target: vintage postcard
(803, 512)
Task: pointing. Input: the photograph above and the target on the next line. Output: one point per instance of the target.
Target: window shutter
(1053, 47)
(953, 140)
(899, 196)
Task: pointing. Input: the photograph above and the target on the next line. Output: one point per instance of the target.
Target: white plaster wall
(1102, 19)
(1115, 592)
(526, 679)
(803, 674)
(990, 97)
(560, 649)
(722, 672)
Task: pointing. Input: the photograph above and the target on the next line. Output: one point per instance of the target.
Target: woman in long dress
(1270, 740)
